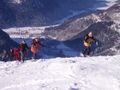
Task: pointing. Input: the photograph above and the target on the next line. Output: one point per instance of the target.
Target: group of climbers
(23, 51)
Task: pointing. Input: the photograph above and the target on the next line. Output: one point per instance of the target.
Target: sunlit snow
(91, 73)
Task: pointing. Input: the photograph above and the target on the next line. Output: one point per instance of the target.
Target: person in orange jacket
(35, 46)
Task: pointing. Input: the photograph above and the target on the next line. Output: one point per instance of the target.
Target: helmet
(90, 34)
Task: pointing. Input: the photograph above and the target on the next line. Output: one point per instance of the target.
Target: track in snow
(92, 73)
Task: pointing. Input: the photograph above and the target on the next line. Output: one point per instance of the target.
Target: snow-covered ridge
(26, 32)
(92, 73)
(16, 1)
(107, 5)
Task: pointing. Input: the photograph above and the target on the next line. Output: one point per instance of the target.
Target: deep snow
(79, 73)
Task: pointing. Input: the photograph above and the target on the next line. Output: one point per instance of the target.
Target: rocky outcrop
(6, 43)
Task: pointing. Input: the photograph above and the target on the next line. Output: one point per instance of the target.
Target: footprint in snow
(74, 87)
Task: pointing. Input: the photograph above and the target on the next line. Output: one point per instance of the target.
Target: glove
(97, 43)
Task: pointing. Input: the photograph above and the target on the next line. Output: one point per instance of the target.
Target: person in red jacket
(15, 53)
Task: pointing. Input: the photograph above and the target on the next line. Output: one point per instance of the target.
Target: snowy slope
(106, 5)
(92, 73)
(16, 1)
(26, 32)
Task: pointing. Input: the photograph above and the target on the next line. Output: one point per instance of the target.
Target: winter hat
(23, 41)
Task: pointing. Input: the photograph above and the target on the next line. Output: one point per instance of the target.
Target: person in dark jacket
(5, 56)
(88, 41)
(23, 49)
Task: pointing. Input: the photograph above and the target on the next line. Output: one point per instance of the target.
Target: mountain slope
(104, 24)
(42, 12)
(62, 74)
